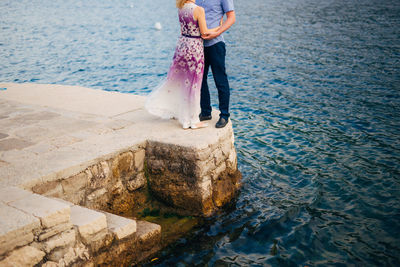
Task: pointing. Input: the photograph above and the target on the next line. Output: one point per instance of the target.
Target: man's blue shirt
(215, 10)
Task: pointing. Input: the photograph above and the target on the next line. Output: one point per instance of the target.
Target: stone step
(120, 227)
(25, 217)
(91, 225)
(23, 257)
(16, 228)
(149, 239)
(50, 212)
(86, 219)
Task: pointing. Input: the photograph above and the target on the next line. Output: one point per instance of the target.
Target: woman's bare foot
(198, 125)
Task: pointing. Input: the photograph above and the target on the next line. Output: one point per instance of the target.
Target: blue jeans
(214, 56)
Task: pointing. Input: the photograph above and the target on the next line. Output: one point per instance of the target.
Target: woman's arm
(200, 16)
(230, 20)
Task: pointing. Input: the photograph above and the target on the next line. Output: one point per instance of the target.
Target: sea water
(315, 107)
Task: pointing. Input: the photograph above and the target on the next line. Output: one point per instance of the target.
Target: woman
(179, 96)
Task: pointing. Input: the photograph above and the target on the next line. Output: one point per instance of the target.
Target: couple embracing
(184, 95)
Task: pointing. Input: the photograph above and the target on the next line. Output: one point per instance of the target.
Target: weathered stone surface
(25, 256)
(50, 212)
(139, 159)
(204, 167)
(66, 256)
(77, 197)
(205, 186)
(49, 232)
(122, 166)
(176, 191)
(50, 264)
(122, 253)
(88, 222)
(226, 147)
(13, 143)
(98, 199)
(16, 228)
(218, 157)
(97, 194)
(64, 240)
(203, 154)
(231, 162)
(117, 188)
(101, 241)
(180, 178)
(225, 187)
(220, 169)
(137, 182)
(74, 187)
(71, 255)
(157, 165)
(53, 189)
(100, 175)
(11, 193)
(149, 239)
(121, 227)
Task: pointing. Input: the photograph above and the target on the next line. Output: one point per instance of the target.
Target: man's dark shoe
(221, 123)
(205, 118)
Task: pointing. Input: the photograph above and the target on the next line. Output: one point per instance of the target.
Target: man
(214, 56)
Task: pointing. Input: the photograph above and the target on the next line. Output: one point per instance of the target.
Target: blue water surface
(315, 107)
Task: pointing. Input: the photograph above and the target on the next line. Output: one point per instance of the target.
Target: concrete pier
(71, 156)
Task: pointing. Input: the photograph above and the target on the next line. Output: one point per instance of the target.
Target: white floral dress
(179, 95)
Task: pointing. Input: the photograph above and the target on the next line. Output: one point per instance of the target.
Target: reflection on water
(315, 107)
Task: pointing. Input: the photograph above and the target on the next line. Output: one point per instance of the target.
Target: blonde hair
(180, 3)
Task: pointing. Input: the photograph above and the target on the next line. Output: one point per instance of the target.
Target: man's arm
(230, 20)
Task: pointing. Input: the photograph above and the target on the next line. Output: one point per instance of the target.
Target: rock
(136, 183)
(118, 188)
(177, 191)
(25, 256)
(225, 187)
(218, 157)
(156, 165)
(231, 162)
(100, 175)
(64, 240)
(52, 189)
(204, 167)
(49, 232)
(221, 168)
(96, 194)
(50, 264)
(139, 159)
(122, 166)
(74, 187)
(203, 154)
(226, 147)
(101, 241)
